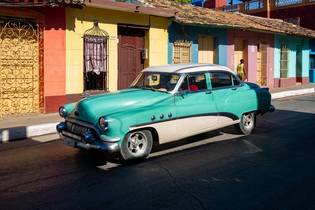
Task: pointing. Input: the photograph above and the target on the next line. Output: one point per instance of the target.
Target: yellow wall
(80, 20)
(158, 41)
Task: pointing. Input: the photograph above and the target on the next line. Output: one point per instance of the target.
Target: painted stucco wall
(292, 43)
(54, 59)
(191, 33)
(80, 20)
(158, 41)
(252, 40)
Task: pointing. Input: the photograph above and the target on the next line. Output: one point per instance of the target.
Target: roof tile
(189, 14)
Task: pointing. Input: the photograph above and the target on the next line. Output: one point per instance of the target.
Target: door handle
(234, 88)
(209, 92)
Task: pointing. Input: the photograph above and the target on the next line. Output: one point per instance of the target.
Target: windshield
(165, 82)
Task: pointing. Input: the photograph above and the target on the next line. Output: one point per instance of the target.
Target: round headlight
(62, 112)
(103, 124)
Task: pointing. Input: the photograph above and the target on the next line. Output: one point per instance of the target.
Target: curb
(289, 93)
(22, 132)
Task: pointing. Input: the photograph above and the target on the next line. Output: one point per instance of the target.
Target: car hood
(93, 107)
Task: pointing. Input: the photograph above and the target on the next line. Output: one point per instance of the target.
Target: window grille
(95, 59)
(254, 5)
(283, 3)
(283, 61)
(182, 52)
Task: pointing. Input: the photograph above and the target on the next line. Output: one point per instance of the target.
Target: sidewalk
(292, 91)
(15, 128)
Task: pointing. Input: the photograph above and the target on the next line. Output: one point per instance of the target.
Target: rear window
(221, 79)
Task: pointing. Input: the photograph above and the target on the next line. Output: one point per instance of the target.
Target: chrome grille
(76, 128)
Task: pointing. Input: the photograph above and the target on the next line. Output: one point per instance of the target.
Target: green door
(195, 109)
(299, 57)
(229, 96)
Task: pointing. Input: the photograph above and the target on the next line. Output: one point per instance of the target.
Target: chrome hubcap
(248, 121)
(137, 143)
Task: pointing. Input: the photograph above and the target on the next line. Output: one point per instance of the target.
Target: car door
(195, 109)
(226, 93)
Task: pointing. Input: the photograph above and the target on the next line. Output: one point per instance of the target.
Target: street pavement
(271, 169)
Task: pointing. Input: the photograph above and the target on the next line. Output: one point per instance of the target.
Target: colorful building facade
(203, 44)
(67, 51)
(270, 60)
(257, 50)
(140, 33)
(64, 52)
(32, 59)
(292, 56)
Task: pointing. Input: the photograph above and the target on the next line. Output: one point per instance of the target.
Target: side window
(221, 79)
(236, 82)
(194, 82)
(184, 85)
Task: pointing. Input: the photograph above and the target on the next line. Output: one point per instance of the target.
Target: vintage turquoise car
(163, 104)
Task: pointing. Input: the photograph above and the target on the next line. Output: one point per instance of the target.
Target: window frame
(284, 49)
(179, 82)
(103, 74)
(241, 83)
(186, 76)
(181, 44)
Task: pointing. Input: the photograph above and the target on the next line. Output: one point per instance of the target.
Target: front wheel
(247, 123)
(136, 145)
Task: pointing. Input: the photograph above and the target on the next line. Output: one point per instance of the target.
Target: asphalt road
(274, 168)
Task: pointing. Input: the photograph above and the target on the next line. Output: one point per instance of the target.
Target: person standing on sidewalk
(241, 70)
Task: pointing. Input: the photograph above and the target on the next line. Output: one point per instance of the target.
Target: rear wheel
(136, 145)
(247, 123)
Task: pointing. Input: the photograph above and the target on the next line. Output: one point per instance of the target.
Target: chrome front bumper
(87, 141)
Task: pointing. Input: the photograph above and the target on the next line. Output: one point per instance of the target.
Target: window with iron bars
(95, 59)
(182, 52)
(95, 63)
(283, 61)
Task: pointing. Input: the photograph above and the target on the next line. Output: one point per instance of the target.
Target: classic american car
(163, 104)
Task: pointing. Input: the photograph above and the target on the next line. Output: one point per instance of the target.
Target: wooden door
(262, 64)
(206, 50)
(238, 52)
(130, 62)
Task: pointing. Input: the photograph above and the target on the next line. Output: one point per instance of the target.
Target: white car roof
(187, 68)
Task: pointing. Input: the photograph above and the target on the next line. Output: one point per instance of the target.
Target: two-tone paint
(168, 115)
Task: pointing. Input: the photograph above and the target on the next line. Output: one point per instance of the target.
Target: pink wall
(252, 39)
(230, 51)
(54, 58)
(251, 52)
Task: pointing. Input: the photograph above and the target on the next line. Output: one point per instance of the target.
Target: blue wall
(292, 42)
(191, 33)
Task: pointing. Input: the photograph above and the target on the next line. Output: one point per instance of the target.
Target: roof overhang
(128, 7)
